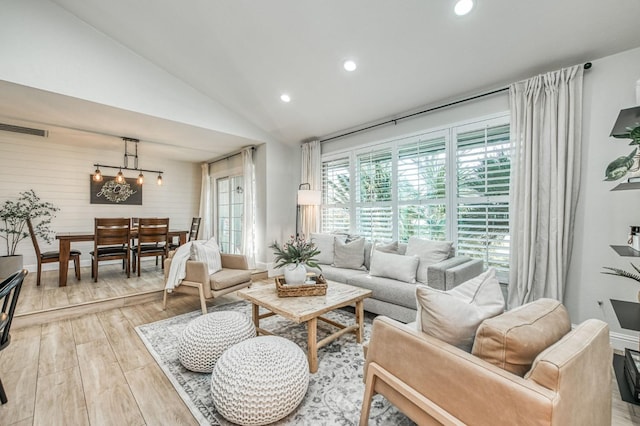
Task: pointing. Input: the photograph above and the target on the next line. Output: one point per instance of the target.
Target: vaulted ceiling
(411, 53)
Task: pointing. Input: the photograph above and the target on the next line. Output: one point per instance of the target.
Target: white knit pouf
(205, 338)
(260, 380)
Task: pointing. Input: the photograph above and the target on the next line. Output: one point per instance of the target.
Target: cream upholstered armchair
(433, 382)
(234, 275)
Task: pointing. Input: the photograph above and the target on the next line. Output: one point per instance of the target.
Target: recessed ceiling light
(350, 65)
(285, 98)
(463, 7)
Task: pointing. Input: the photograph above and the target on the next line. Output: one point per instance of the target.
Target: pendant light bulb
(159, 180)
(140, 179)
(120, 177)
(97, 175)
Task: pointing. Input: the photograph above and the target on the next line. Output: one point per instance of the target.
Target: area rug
(335, 392)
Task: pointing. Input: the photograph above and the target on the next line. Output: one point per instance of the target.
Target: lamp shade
(308, 197)
(627, 120)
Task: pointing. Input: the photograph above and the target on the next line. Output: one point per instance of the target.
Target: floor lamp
(306, 197)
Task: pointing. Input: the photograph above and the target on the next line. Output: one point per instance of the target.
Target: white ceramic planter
(295, 274)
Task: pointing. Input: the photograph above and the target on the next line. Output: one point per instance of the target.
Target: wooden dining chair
(153, 240)
(51, 256)
(111, 241)
(9, 292)
(193, 233)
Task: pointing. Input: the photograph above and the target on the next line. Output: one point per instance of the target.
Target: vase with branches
(14, 215)
(292, 257)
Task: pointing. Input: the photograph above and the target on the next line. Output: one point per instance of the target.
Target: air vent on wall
(26, 130)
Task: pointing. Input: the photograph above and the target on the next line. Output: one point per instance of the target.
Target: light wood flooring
(112, 283)
(95, 370)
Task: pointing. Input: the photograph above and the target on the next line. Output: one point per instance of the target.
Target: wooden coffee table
(308, 309)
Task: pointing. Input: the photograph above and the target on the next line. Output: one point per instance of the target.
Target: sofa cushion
(396, 266)
(453, 316)
(514, 339)
(226, 278)
(332, 273)
(348, 255)
(368, 245)
(386, 289)
(324, 243)
(429, 252)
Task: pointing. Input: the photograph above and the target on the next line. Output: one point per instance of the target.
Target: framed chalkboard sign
(108, 191)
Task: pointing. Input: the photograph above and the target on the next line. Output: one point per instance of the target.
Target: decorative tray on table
(317, 288)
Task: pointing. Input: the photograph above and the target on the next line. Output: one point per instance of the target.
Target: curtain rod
(404, 117)
(233, 154)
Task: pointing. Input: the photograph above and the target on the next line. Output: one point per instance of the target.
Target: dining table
(66, 238)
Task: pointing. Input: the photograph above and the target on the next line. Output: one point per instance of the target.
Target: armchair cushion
(514, 339)
(207, 252)
(226, 278)
(453, 316)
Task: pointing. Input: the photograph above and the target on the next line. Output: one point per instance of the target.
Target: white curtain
(311, 174)
(206, 224)
(546, 120)
(249, 199)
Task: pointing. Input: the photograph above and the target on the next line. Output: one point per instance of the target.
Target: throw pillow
(391, 247)
(429, 252)
(454, 315)
(348, 255)
(513, 340)
(324, 243)
(395, 266)
(207, 252)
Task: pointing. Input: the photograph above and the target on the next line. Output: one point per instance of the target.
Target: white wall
(60, 174)
(604, 217)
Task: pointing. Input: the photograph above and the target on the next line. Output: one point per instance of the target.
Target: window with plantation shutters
(446, 184)
(335, 195)
(374, 194)
(421, 187)
(483, 169)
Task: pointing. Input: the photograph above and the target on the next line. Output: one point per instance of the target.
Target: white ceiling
(410, 53)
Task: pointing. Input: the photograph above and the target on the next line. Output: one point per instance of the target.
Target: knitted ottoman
(205, 338)
(260, 380)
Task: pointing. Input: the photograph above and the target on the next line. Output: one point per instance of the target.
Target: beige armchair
(234, 275)
(435, 383)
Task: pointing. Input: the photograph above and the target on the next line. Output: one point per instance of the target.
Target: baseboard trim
(56, 314)
(620, 341)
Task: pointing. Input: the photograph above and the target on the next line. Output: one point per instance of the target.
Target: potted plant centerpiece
(13, 227)
(292, 256)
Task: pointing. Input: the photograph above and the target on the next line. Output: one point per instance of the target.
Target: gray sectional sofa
(393, 292)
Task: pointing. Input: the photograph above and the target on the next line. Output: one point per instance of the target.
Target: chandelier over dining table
(97, 176)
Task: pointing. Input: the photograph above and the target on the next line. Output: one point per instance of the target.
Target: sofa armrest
(470, 389)
(453, 271)
(234, 261)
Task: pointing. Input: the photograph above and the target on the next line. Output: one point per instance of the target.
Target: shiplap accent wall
(60, 174)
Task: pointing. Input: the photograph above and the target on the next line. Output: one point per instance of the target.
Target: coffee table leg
(359, 321)
(255, 312)
(312, 344)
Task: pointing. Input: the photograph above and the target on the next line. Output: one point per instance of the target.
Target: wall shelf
(626, 185)
(626, 251)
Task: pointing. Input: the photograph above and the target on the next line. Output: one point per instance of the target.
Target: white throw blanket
(199, 250)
